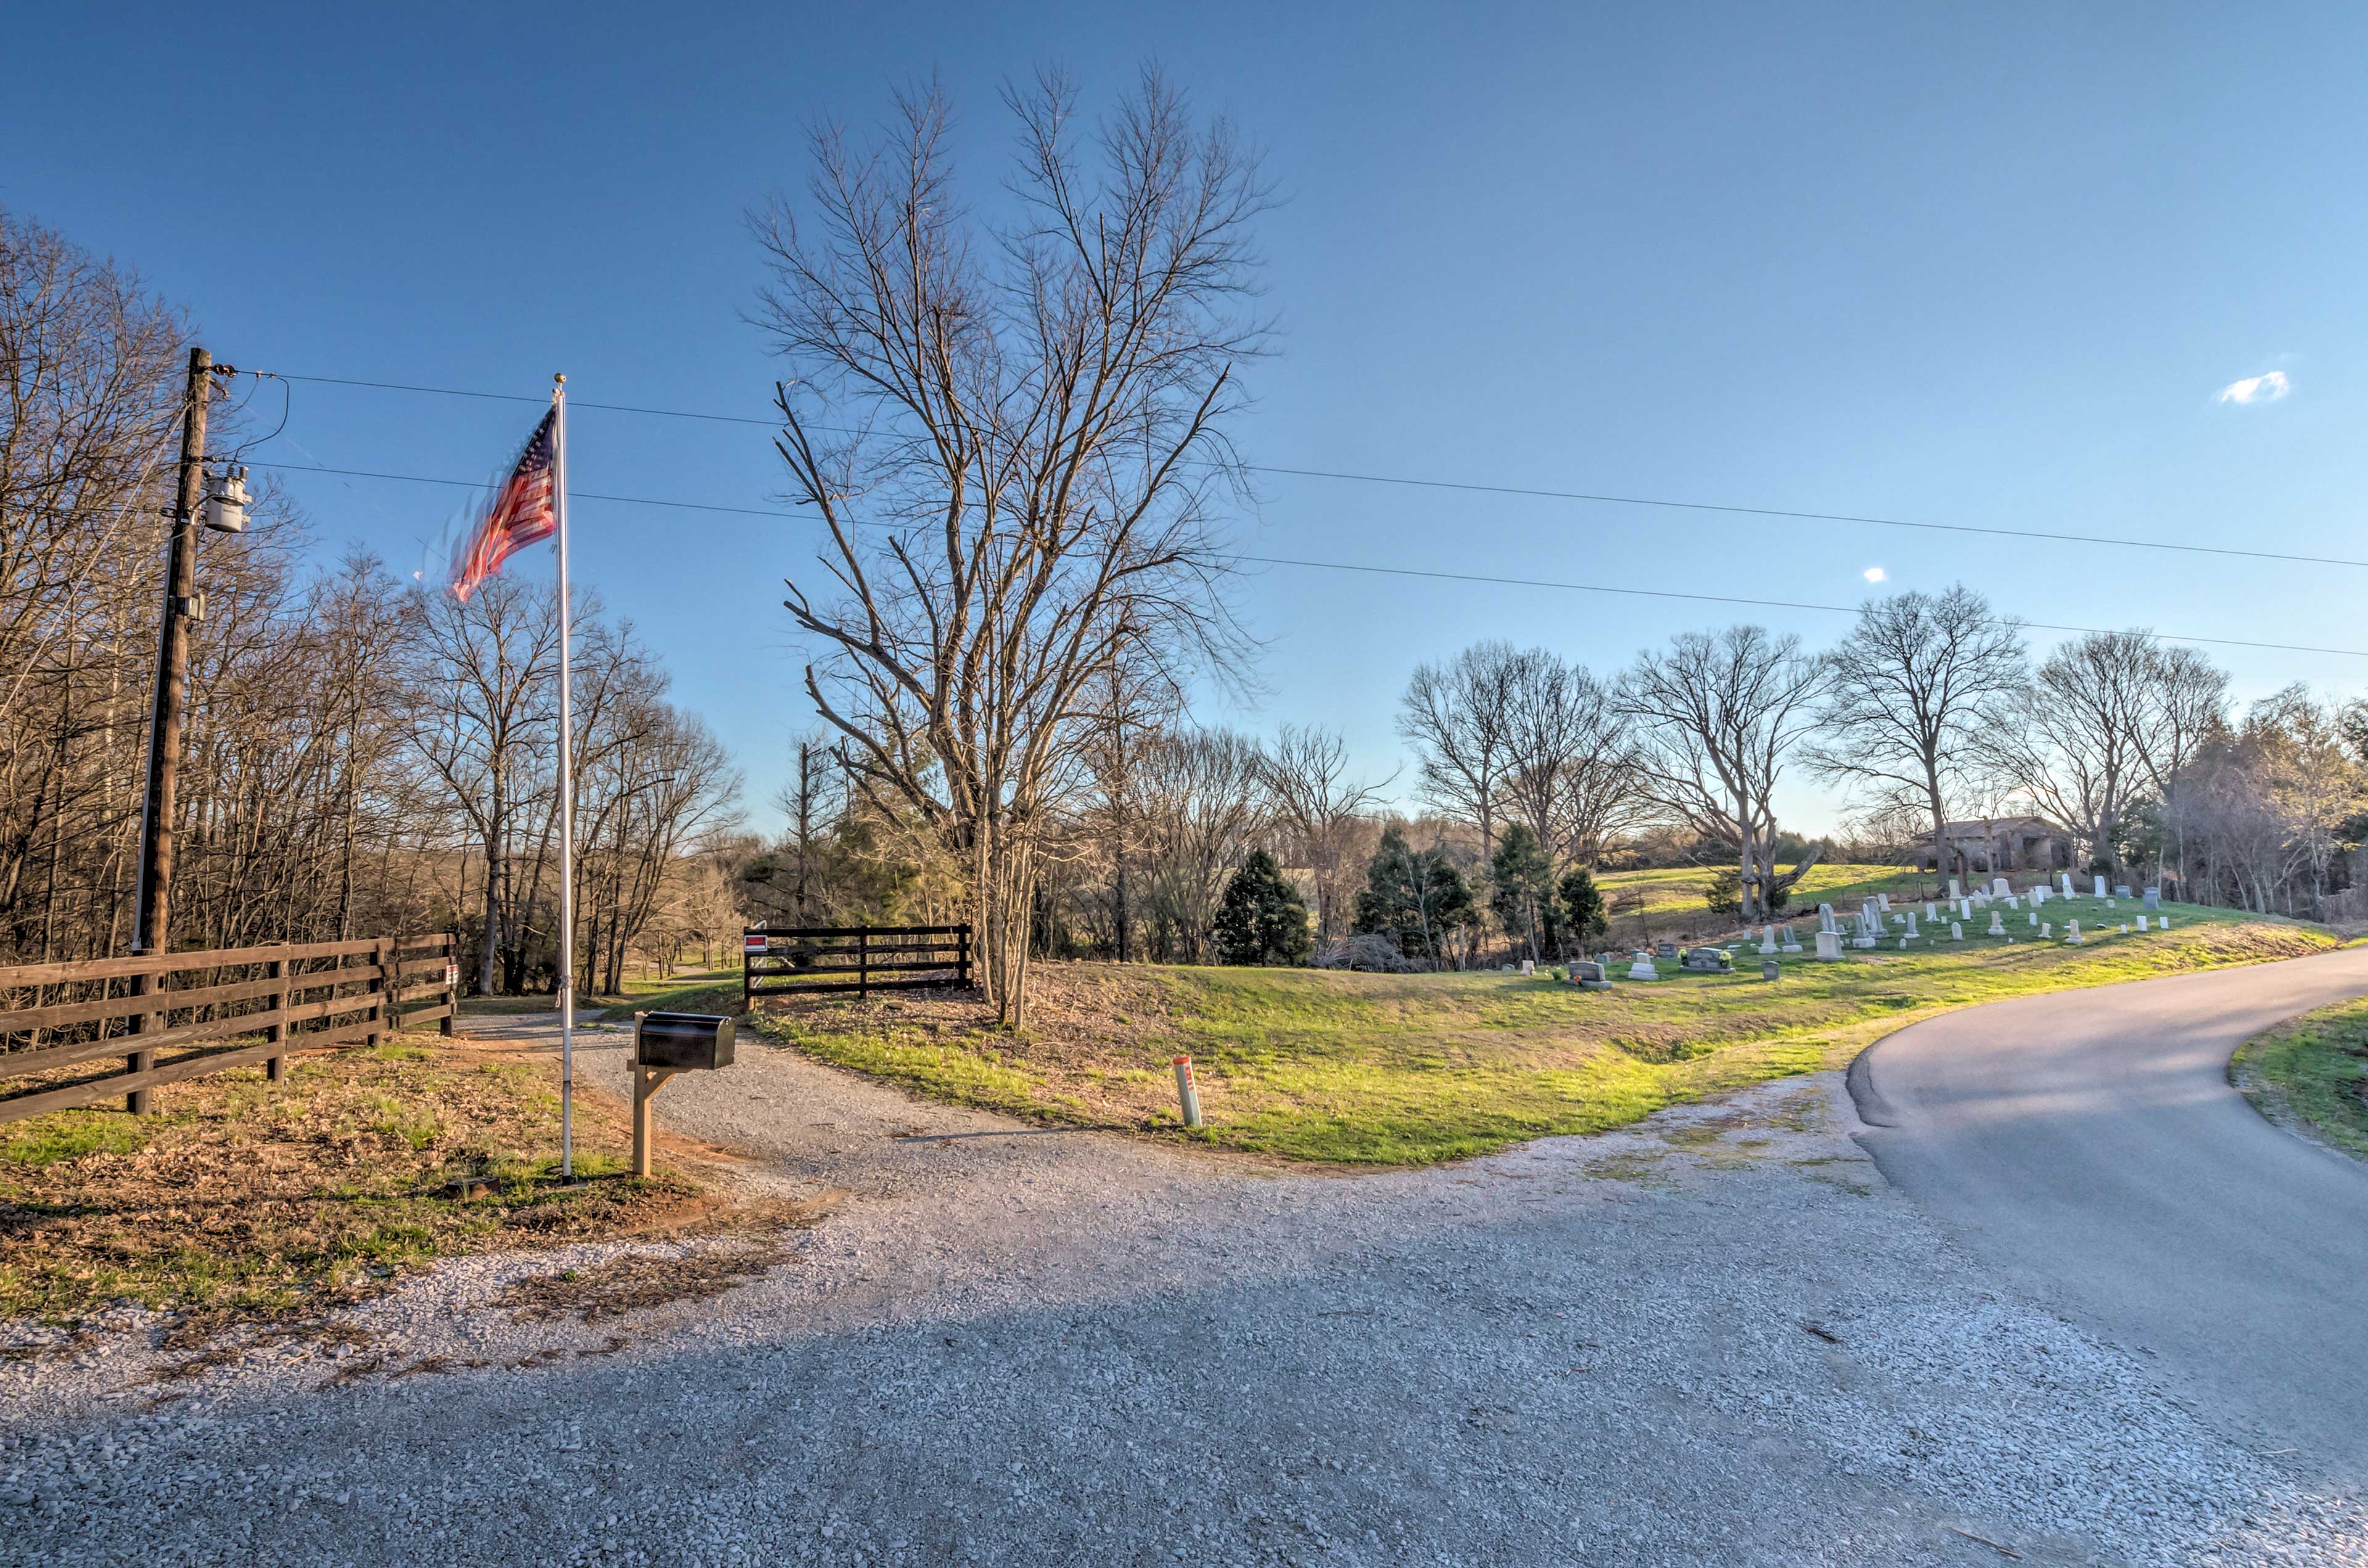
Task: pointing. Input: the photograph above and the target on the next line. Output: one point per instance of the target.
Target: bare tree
(1910, 692)
(1029, 501)
(2186, 702)
(2075, 744)
(1201, 808)
(1718, 713)
(1458, 719)
(1306, 773)
(1571, 769)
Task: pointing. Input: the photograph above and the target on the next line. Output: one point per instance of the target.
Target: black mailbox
(682, 1040)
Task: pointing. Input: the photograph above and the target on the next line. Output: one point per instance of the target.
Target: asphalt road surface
(2088, 1147)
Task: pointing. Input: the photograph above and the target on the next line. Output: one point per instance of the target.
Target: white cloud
(2268, 387)
(1875, 575)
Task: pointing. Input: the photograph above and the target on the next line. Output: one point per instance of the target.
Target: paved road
(2088, 1145)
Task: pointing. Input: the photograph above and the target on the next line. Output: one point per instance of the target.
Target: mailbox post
(664, 1045)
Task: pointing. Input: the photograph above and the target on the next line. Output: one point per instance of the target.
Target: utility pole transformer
(152, 919)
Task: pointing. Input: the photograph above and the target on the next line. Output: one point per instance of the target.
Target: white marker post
(1187, 1096)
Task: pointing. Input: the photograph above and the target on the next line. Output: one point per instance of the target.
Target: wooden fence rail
(311, 994)
(805, 959)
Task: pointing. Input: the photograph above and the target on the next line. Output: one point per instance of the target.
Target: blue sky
(1987, 269)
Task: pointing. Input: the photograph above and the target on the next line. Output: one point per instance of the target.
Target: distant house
(1995, 845)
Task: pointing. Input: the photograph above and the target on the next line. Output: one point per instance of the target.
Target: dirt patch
(244, 1199)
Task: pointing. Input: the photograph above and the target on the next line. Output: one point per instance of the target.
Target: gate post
(383, 955)
(862, 963)
(275, 1069)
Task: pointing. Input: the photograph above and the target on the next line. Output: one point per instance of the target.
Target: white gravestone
(2032, 918)
(2125, 927)
(1997, 924)
(1931, 912)
(2163, 924)
(1824, 917)
(1954, 890)
(2038, 895)
(1883, 902)
(1642, 969)
(2068, 883)
(2142, 921)
(2154, 898)
(1792, 943)
(2047, 930)
(2072, 935)
(1768, 940)
(1911, 923)
(1829, 945)
(1999, 888)
(2101, 887)
(1956, 932)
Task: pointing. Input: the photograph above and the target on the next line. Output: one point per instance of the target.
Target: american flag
(522, 513)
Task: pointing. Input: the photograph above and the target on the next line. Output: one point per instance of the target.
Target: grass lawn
(2312, 1070)
(1368, 1069)
(242, 1198)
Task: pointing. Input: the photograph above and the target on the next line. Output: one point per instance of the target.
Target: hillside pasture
(1397, 1070)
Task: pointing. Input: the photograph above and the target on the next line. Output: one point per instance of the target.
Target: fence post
(384, 955)
(276, 1068)
(747, 991)
(961, 954)
(451, 988)
(862, 963)
(137, 1101)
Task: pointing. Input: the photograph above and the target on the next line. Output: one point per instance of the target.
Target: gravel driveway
(1716, 1338)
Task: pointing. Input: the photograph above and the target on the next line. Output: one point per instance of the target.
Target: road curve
(2087, 1146)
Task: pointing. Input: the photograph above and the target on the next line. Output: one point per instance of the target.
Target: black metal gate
(799, 960)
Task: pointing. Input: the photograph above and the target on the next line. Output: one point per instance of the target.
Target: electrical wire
(1359, 567)
(1473, 487)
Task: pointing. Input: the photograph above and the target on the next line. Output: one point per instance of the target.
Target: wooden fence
(801, 961)
(64, 1017)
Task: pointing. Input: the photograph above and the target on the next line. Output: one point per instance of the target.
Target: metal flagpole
(566, 803)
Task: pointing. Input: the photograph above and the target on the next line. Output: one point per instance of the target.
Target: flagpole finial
(560, 379)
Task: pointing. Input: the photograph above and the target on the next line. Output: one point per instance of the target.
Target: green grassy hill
(1407, 1069)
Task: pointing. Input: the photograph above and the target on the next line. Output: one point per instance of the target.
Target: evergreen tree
(1263, 920)
(1417, 898)
(1583, 916)
(1522, 890)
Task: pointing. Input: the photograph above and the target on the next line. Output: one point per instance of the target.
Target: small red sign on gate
(754, 942)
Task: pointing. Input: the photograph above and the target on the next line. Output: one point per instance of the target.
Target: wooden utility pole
(150, 931)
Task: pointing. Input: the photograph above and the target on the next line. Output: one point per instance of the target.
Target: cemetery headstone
(2154, 898)
(1642, 969)
(2101, 887)
(1771, 969)
(2072, 935)
(2142, 921)
(1829, 946)
(1956, 932)
(1791, 944)
(1766, 939)
(1998, 924)
(2164, 924)
(1955, 892)
(2068, 883)
(1999, 888)
(1589, 976)
(1665, 949)
(1529, 966)
(1883, 902)
(2047, 930)
(1713, 961)
(2121, 889)
(1911, 923)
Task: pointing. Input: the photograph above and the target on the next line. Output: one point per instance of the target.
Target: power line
(1728, 600)
(1354, 566)
(1475, 488)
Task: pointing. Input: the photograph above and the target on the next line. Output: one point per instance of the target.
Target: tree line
(363, 755)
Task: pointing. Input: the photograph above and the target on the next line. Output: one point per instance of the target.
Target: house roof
(1980, 826)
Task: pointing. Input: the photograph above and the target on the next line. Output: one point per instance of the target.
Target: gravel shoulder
(1717, 1337)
